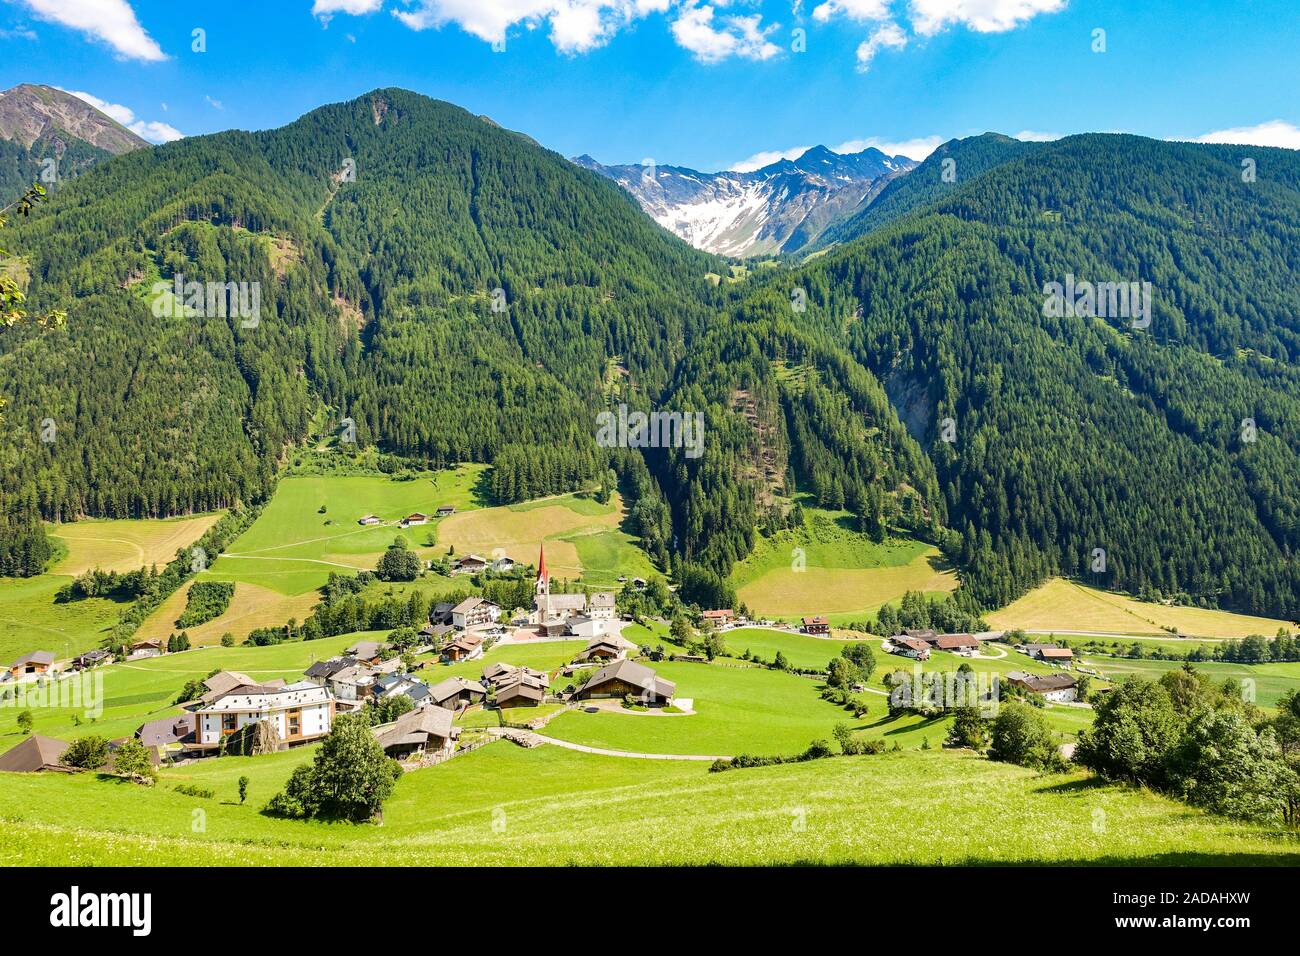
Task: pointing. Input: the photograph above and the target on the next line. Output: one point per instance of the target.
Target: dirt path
(623, 753)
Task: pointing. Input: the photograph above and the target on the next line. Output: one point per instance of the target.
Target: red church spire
(541, 566)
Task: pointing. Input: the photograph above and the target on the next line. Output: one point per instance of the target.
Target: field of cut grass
(126, 544)
(828, 568)
(582, 537)
(1066, 605)
(251, 607)
(503, 806)
(1271, 681)
(30, 617)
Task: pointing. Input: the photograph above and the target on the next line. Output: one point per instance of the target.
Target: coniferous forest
(455, 292)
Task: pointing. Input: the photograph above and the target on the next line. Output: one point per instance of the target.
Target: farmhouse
(503, 564)
(912, 647)
(524, 692)
(1048, 652)
(35, 754)
(415, 518)
(367, 652)
(627, 677)
(228, 682)
(435, 634)
(423, 732)
(600, 606)
(601, 649)
(457, 692)
(321, 671)
(466, 647)
(1059, 688)
(298, 713)
(37, 662)
(469, 564)
(151, 647)
(816, 625)
(721, 616)
(351, 684)
(368, 519)
(956, 643)
(499, 673)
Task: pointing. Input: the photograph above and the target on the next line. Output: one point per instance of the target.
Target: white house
(1057, 688)
(600, 606)
(368, 519)
(298, 713)
(473, 612)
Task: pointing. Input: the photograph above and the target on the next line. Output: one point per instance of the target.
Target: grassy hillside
(506, 806)
(1065, 605)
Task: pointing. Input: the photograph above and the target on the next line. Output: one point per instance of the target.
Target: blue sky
(713, 85)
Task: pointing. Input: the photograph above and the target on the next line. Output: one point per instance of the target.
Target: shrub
(86, 753)
(191, 790)
(1021, 736)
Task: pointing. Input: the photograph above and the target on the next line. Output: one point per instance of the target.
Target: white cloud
(356, 8)
(215, 104)
(983, 16)
(860, 10)
(19, 32)
(155, 131)
(112, 21)
(576, 25)
(767, 158)
(916, 149)
(887, 35)
(1036, 136)
(744, 37)
(1272, 133)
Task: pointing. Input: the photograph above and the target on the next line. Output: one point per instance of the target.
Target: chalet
(720, 617)
(445, 511)
(601, 649)
(441, 613)
(415, 518)
(367, 652)
(150, 647)
(912, 647)
(521, 693)
(625, 677)
(351, 685)
(297, 713)
(956, 643)
(388, 686)
(368, 519)
(503, 564)
(35, 754)
(1059, 688)
(423, 732)
(466, 647)
(37, 662)
(435, 634)
(474, 612)
(816, 625)
(229, 682)
(457, 692)
(170, 733)
(91, 659)
(469, 564)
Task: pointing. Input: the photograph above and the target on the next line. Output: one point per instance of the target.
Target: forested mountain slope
(1074, 433)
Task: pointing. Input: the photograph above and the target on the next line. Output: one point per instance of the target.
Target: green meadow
(503, 805)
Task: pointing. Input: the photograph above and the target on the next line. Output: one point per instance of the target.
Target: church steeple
(542, 587)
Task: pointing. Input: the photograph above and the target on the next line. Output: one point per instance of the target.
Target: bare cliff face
(29, 112)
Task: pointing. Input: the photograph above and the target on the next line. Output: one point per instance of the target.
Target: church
(552, 613)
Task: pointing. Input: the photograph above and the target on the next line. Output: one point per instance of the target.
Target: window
(228, 723)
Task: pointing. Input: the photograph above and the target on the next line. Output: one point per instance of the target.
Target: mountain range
(460, 293)
(781, 208)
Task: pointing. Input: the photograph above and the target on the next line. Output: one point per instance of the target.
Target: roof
(630, 672)
(601, 599)
(542, 574)
(33, 754)
(470, 603)
(328, 668)
(35, 657)
(445, 690)
(946, 641)
(1043, 683)
(818, 619)
(521, 688)
(721, 612)
(265, 698)
(1055, 652)
(467, 642)
(915, 643)
(416, 727)
(168, 730)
